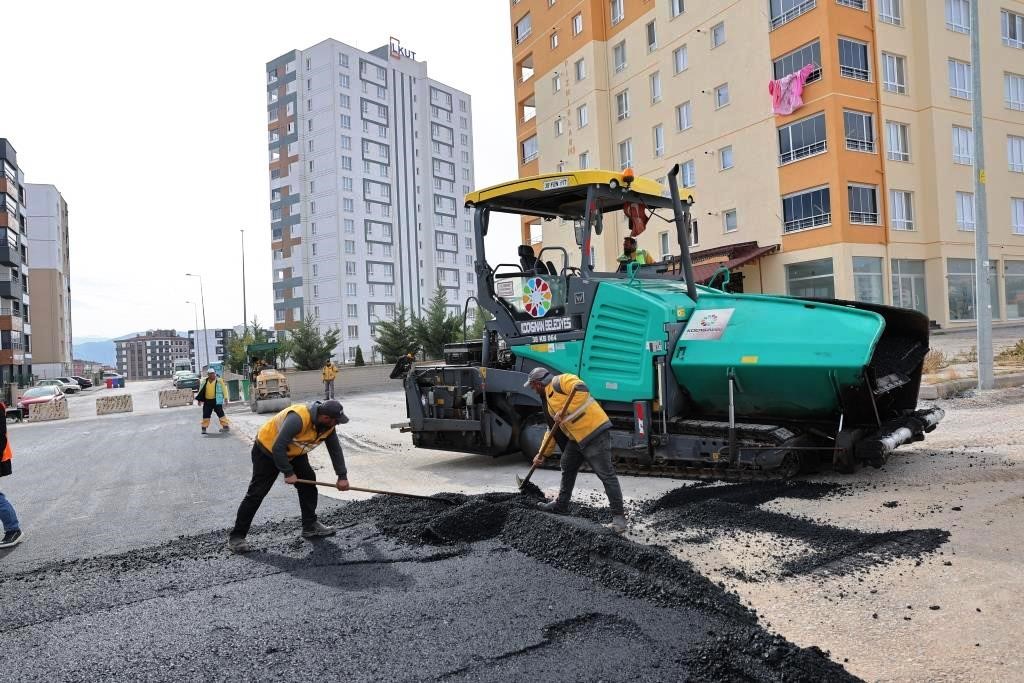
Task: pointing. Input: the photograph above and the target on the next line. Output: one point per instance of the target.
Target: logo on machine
(546, 326)
(578, 297)
(536, 297)
(708, 324)
(708, 320)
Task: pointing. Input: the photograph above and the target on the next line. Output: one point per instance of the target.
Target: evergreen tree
(311, 349)
(437, 327)
(395, 337)
(477, 329)
(359, 357)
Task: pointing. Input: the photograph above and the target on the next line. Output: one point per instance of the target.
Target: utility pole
(195, 342)
(202, 302)
(245, 314)
(982, 286)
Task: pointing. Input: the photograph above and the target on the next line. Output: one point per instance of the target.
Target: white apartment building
(49, 279)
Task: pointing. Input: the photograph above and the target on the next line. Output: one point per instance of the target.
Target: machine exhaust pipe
(682, 214)
(875, 450)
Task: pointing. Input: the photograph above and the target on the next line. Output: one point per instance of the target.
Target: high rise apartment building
(49, 280)
(864, 192)
(369, 161)
(15, 328)
(150, 355)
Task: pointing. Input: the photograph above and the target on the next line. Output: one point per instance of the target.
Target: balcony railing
(792, 14)
(864, 217)
(803, 152)
(809, 222)
(860, 145)
(854, 72)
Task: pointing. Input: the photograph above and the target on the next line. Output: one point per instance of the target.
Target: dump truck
(269, 386)
(697, 381)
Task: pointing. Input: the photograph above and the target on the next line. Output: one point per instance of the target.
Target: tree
(395, 337)
(311, 349)
(477, 329)
(254, 334)
(359, 357)
(437, 327)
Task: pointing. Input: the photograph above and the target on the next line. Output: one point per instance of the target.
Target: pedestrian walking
(213, 394)
(582, 435)
(282, 447)
(13, 535)
(328, 374)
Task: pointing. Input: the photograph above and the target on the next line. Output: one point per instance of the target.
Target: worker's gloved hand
(291, 478)
(538, 460)
(342, 484)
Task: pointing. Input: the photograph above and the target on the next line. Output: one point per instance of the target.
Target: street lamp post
(245, 314)
(202, 302)
(195, 314)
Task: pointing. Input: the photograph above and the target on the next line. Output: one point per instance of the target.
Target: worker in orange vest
(13, 535)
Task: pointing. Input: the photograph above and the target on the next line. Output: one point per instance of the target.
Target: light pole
(982, 271)
(195, 314)
(245, 314)
(202, 302)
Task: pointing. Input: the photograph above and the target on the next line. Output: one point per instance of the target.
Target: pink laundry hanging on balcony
(787, 91)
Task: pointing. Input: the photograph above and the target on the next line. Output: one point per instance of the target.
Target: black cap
(333, 410)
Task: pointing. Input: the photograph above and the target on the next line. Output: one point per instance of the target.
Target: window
(863, 201)
(965, 211)
(963, 145)
(622, 105)
(350, 226)
(961, 278)
(958, 15)
(908, 285)
(684, 118)
(796, 60)
(559, 126)
(663, 243)
(689, 173)
(891, 11)
(350, 246)
(807, 209)
(894, 73)
(617, 11)
(346, 163)
(1015, 153)
(1013, 91)
(811, 279)
(1012, 28)
(897, 140)
(626, 153)
(729, 220)
(529, 149)
(1017, 215)
(350, 288)
(901, 210)
(314, 248)
(350, 267)
(582, 116)
(853, 60)
(675, 8)
(652, 36)
(352, 310)
(717, 34)
(347, 205)
(346, 184)
(619, 56)
(785, 11)
(860, 131)
(577, 24)
(721, 96)
(353, 331)
(655, 82)
(959, 79)
(1013, 274)
(725, 158)
(556, 82)
(523, 28)
(680, 59)
(584, 160)
(867, 279)
(802, 138)
(659, 140)
(580, 68)
(315, 269)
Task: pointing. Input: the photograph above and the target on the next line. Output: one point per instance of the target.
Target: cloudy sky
(150, 118)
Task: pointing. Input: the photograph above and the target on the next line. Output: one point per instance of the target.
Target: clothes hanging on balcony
(787, 92)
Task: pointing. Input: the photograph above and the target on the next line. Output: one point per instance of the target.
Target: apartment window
(344, 80)
(729, 220)
(965, 211)
(350, 226)
(891, 11)
(617, 11)
(963, 146)
(556, 82)
(908, 285)
(350, 246)
(652, 36)
(725, 158)
(1013, 91)
(1013, 275)
(689, 173)
(867, 279)
(785, 11)
(663, 243)
(523, 28)
(802, 138)
(580, 67)
(901, 210)
(352, 310)
(717, 34)
(350, 288)
(554, 40)
(346, 184)
(1012, 29)
(959, 79)
(626, 153)
(584, 160)
(958, 15)
(350, 266)
(897, 141)
(622, 105)
(347, 205)
(582, 116)
(961, 278)
(316, 270)
(806, 209)
(529, 149)
(811, 279)
(655, 83)
(680, 59)
(863, 200)
(559, 126)
(894, 73)
(1015, 153)
(619, 56)
(860, 131)
(675, 8)
(798, 59)
(721, 95)
(1017, 215)
(659, 140)
(684, 118)
(577, 24)
(853, 60)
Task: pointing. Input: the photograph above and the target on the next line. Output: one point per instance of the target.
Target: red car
(34, 395)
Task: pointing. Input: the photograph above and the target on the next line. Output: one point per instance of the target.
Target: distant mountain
(101, 351)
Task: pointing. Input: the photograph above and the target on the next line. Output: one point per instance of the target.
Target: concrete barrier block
(121, 403)
(55, 410)
(174, 398)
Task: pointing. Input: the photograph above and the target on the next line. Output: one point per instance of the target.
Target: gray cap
(334, 410)
(537, 375)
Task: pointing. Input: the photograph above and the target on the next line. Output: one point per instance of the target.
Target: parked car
(71, 381)
(189, 381)
(61, 384)
(82, 381)
(108, 374)
(178, 374)
(36, 395)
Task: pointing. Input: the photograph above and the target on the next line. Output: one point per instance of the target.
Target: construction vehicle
(697, 381)
(269, 386)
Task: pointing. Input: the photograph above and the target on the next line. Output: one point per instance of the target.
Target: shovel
(386, 493)
(521, 482)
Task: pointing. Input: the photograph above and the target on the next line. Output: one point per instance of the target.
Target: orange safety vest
(306, 440)
(5, 461)
(585, 417)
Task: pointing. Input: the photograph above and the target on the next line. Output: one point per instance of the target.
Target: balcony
(10, 255)
(11, 289)
(792, 14)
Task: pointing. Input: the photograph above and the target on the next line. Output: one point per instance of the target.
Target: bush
(934, 361)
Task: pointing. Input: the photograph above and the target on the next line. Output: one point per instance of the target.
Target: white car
(63, 386)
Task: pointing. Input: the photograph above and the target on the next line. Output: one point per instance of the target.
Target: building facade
(209, 346)
(369, 161)
(151, 355)
(49, 280)
(15, 328)
(865, 190)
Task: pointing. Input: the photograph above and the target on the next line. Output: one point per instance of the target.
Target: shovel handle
(550, 434)
(328, 484)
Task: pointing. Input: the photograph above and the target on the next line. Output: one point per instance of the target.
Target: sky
(150, 118)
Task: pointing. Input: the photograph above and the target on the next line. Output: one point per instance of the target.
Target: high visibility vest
(329, 373)
(5, 460)
(306, 440)
(585, 417)
(639, 256)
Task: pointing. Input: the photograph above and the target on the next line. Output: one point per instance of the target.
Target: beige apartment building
(49, 279)
(864, 192)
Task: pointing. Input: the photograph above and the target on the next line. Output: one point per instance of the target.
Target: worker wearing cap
(282, 446)
(213, 394)
(583, 435)
(328, 374)
(630, 254)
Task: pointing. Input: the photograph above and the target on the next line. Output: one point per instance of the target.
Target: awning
(707, 262)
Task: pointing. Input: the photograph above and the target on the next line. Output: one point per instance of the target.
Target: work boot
(204, 430)
(317, 529)
(225, 428)
(12, 538)
(553, 507)
(618, 524)
(238, 544)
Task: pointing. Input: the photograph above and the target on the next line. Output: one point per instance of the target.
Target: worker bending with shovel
(282, 446)
(582, 433)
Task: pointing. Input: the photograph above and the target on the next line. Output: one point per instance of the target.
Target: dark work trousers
(210, 407)
(598, 454)
(264, 474)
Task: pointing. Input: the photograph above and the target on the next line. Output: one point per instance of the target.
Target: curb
(931, 392)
